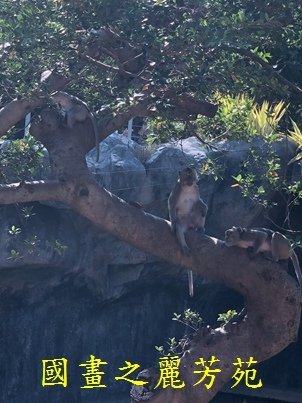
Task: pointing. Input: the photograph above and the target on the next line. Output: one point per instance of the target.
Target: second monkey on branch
(186, 211)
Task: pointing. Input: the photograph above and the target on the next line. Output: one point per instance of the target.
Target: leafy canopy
(190, 44)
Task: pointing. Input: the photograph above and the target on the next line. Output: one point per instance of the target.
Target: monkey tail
(296, 264)
(191, 283)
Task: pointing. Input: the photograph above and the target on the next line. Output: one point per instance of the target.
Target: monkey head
(188, 176)
(233, 236)
(60, 99)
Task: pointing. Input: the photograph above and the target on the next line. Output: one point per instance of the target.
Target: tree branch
(269, 327)
(14, 111)
(272, 72)
(23, 192)
(114, 69)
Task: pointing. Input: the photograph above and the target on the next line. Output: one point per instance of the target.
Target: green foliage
(14, 255)
(173, 348)
(163, 130)
(189, 318)
(258, 184)
(296, 241)
(27, 212)
(57, 246)
(227, 316)
(186, 42)
(21, 160)
(296, 135)
(266, 118)
(233, 119)
(241, 118)
(213, 168)
(14, 231)
(265, 56)
(31, 244)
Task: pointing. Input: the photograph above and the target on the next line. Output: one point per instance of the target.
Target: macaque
(264, 240)
(186, 210)
(75, 110)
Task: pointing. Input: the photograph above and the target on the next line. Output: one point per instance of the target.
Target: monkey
(264, 240)
(186, 211)
(76, 110)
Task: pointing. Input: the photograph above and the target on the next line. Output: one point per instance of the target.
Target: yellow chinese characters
(54, 372)
(207, 371)
(247, 374)
(169, 373)
(131, 368)
(93, 375)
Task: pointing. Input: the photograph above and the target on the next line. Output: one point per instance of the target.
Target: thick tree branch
(14, 111)
(185, 105)
(99, 64)
(114, 69)
(269, 326)
(23, 192)
(142, 108)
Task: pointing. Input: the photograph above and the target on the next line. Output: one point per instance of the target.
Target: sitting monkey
(75, 110)
(186, 210)
(264, 240)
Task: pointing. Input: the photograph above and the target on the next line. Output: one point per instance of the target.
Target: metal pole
(130, 123)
